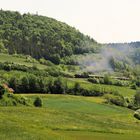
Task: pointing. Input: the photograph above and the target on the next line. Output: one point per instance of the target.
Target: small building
(9, 90)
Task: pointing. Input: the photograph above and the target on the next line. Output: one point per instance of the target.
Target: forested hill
(131, 44)
(130, 50)
(41, 36)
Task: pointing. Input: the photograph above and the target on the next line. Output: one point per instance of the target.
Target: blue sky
(104, 20)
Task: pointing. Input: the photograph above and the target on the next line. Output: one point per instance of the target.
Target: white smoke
(101, 61)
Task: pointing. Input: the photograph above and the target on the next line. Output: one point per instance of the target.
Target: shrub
(2, 91)
(58, 86)
(45, 62)
(13, 100)
(137, 98)
(94, 80)
(79, 90)
(38, 102)
(134, 86)
(2, 47)
(107, 80)
(77, 87)
(137, 114)
(116, 99)
(138, 82)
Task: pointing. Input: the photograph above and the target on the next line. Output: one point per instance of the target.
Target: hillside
(96, 86)
(130, 50)
(69, 118)
(42, 37)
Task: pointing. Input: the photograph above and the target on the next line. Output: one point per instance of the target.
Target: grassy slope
(21, 61)
(68, 117)
(125, 91)
(84, 83)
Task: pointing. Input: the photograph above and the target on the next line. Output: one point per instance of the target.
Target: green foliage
(137, 114)
(58, 87)
(137, 81)
(107, 80)
(13, 100)
(2, 48)
(2, 91)
(116, 99)
(38, 102)
(77, 87)
(8, 66)
(45, 62)
(137, 98)
(42, 37)
(136, 56)
(118, 65)
(28, 84)
(134, 86)
(94, 80)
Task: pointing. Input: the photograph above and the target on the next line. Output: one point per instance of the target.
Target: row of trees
(109, 81)
(34, 84)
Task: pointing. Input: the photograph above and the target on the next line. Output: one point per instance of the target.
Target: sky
(104, 20)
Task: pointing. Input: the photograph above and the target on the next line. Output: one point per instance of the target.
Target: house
(10, 90)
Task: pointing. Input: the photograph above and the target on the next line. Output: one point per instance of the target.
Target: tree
(43, 37)
(137, 98)
(38, 102)
(33, 84)
(107, 80)
(14, 84)
(137, 114)
(2, 91)
(2, 48)
(25, 85)
(58, 86)
(77, 87)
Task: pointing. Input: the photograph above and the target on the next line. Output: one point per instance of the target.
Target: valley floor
(65, 117)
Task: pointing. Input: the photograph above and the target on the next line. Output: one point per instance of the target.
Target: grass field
(20, 61)
(125, 91)
(65, 117)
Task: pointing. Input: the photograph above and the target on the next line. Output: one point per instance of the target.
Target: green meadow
(69, 117)
(19, 60)
(125, 91)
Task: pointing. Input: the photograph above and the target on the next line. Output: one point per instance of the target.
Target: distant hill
(41, 36)
(131, 44)
(131, 50)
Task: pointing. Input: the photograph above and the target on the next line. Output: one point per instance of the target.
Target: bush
(58, 87)
(134, 86)
(13, 100)
(94, 80)
(137, 98)
(38, 102)
(107, 80)
(137, 114)
(45, 62)
(2, 91)
(77, 88)
(116, 99)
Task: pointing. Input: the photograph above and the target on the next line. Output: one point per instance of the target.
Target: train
(99, 76)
